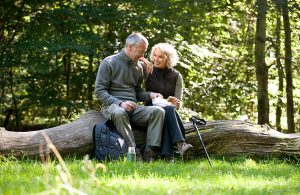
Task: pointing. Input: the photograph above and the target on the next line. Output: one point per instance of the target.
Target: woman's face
(159, 58)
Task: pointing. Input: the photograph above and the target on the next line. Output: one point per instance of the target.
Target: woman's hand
(149, 67)
(176, 102)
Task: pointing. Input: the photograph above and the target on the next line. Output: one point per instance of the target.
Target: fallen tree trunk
(220, 137)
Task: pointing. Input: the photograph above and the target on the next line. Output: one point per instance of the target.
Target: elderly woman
(164, 79)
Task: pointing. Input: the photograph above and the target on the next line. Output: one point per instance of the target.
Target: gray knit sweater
(119, 79)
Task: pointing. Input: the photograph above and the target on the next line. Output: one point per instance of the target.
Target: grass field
(240, 175)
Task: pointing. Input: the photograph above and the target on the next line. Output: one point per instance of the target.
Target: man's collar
(125, 57)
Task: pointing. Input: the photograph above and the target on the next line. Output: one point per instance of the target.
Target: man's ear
(130, 47)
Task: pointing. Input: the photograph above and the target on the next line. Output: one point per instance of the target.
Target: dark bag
(108, 144)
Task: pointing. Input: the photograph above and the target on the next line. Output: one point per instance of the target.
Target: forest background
(239, 59)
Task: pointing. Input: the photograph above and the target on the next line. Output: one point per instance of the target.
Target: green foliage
(240, 175)
(217, 82)
(50, 51)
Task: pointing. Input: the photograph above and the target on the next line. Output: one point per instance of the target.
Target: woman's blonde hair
(169, 51)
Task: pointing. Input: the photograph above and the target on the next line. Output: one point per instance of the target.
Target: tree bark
(67, 65)
(90, 81)
(222, 137)
(288, 68)
(279, 67)
(261, 67)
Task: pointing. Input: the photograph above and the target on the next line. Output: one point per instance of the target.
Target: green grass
(240, 175)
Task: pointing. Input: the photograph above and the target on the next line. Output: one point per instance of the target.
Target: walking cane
(198, 121)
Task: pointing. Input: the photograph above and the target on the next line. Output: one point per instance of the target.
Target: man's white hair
(135, 38)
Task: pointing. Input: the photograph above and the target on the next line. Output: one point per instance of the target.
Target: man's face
(137, 51)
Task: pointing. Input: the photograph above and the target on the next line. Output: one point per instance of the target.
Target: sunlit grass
(238, 176)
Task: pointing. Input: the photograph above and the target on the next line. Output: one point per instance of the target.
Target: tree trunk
(261, 67)
(220, 137)
(15, 103)
(91, 80)
(67, 65)
(249, 60)
(279, 67)
(288, 68)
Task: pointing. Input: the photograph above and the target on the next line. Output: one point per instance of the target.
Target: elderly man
(118, 87)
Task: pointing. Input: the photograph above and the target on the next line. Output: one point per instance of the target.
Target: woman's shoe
(184, 149)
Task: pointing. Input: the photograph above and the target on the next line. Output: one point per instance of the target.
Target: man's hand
(128, 106)
(155, 95)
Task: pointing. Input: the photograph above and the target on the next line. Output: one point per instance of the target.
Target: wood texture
(223, 137)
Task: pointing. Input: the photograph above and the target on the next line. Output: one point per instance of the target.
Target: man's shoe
(184, 149)
(139, 156)
(169, 159)
(150, 155)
